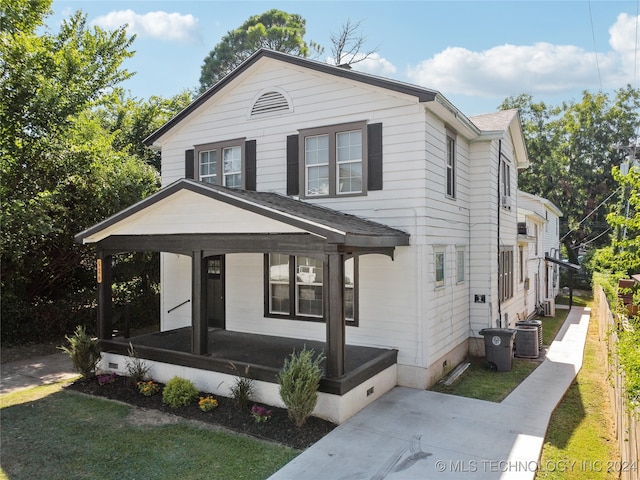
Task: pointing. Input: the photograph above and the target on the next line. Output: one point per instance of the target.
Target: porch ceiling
(220, 217)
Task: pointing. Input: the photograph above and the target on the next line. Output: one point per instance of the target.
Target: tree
(347, 45)
(572, 159)
(274, 29)
(59, 170)
(131, 120)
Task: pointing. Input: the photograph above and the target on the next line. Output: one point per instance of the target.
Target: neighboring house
(538, 253)
(308, 204)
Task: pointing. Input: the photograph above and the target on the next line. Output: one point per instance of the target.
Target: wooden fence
(627, 424)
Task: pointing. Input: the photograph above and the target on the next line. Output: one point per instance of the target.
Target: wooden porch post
(105, 294)
(199, 331)
(335, 316)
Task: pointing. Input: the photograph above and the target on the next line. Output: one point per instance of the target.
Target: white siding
(400, 306)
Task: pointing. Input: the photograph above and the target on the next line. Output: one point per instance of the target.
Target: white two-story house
(309, 204)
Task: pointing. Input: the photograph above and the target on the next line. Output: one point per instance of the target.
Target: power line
(595, 47)
(590, 213)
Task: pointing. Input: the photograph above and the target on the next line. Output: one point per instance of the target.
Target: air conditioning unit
(549, 308)
(506, 201)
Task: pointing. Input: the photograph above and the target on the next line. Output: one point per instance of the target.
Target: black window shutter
(374, 149)
(250, 165)
(293, 187)
(189, 164)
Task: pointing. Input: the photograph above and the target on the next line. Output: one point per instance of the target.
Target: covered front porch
(262, 355)
(201, 222)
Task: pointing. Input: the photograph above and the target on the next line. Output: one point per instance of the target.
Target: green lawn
(51, 434)
(581, 428)
(481, 383)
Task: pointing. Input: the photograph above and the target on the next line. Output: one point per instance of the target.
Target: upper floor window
(332, 162)
(221, 163)
(451, 165)
(505, 184)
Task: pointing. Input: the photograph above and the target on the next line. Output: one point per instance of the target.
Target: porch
(231, 352)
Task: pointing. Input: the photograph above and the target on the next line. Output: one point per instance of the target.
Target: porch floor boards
(230, 352)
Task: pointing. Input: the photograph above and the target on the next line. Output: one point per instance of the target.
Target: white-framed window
(451, 165)
(296, 287)
(460, 265)
(333, 163)
(221, 163)
(439, 266)
(505, 183)
(505, 273)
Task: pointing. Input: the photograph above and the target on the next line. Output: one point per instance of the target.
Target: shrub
(243, 389)
(179, 392)
(299, 380)
(83, 350)
(137, 369)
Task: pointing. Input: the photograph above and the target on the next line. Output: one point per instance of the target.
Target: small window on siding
(269, 103)
(439, 268)
(460, 270)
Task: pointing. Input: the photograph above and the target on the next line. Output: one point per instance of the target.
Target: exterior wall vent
(270, 102)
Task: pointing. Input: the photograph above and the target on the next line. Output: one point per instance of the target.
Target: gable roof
(337, 227)
(421, 93)
(505, 121)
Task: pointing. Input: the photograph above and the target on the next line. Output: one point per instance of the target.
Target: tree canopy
(274, 29)
(572, 156)
(61, 168)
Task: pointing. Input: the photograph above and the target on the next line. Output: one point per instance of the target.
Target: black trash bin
(498, 347)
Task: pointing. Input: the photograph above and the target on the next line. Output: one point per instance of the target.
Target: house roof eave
(422, 94)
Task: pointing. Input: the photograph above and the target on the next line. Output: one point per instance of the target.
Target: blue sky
(476, 53)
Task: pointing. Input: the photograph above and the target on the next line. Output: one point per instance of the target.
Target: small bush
(179, 392)
(137, 369)
(83, 350)
(243, 389)
(299, 380)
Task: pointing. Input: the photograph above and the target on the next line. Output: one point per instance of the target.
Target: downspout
(498, 239)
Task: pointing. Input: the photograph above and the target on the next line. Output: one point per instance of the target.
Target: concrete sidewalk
(416, 434)
(35, 371)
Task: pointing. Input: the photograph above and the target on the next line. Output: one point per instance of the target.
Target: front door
(215, 291)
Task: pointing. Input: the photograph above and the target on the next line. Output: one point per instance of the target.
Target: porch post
(105, 293)
(199, 331)
(335, 316)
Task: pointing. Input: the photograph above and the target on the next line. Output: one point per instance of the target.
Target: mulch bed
(279, 428)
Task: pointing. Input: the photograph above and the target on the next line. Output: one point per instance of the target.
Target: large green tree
(60, 172)
(273, 29)
(572, 156)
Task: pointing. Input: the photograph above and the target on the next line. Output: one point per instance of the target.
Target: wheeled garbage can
(498, 347)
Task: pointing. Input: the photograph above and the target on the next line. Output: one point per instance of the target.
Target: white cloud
(163, 25)
(542, 68)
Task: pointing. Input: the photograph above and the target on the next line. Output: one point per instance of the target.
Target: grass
(481, 383)
(50, 434)
(581, 427)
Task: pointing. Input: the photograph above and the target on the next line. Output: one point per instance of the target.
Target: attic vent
(269, 103)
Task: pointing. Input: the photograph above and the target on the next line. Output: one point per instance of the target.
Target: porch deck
(230, 352)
